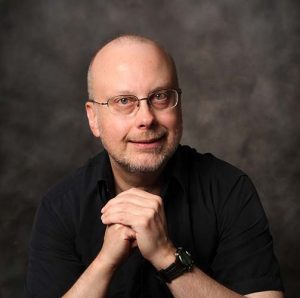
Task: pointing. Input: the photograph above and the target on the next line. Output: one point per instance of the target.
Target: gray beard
(162, 158)
(130, 167)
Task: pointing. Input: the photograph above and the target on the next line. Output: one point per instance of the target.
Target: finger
(153, 210)
(126, 232)
(129, 234)
(128, 214)
(144, 194)
(139, 191)
(133, 218)
(116, 215)
(149, 202)
(127, 198)
(134, 244)
(130, 208)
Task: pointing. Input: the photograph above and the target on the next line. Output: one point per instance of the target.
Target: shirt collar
(103, 172)
(176, 168)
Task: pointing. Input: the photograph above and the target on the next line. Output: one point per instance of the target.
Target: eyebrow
(126, 92)
(162, 88)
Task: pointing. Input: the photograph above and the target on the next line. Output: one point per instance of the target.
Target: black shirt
(212, 210)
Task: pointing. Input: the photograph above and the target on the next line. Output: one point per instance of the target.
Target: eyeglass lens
(160, 100)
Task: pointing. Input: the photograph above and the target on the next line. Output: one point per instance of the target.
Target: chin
(146, 163)
(143, 168)
(142, 161)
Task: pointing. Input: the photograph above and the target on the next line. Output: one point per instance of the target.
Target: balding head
(107, 51)
(141, 141)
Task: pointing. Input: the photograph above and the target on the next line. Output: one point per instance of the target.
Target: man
(148, 217)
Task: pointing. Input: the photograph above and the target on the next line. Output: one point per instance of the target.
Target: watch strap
(171, 272)
(175, 269)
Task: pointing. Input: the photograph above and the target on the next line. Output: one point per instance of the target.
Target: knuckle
(158, 200)
(145, 222)
(148, 218)
(117, 218)
(151, 213)
(157, 203)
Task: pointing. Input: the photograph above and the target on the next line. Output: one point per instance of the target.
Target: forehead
(133, 66)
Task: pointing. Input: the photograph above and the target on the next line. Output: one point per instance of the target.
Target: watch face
(183, 263)
(185, 258)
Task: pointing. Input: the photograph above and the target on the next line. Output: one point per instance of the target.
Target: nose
(145, 117)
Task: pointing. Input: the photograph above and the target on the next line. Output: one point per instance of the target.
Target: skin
(144, 213)
(140, 143)
(139, 146)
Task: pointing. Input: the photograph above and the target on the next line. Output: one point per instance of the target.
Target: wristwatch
(182, 264)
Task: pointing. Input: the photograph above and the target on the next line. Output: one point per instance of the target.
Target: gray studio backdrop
(238, 63)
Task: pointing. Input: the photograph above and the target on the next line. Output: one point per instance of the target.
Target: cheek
(172, 121)
(112, 129)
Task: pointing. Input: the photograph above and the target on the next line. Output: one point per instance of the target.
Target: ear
(92, 118)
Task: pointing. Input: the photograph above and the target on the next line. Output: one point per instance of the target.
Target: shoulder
(69, 192)
(207, 165)
(218, 181)
(62, 205)
(82, 176)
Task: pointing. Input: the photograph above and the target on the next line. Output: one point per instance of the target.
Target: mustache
(147, 136)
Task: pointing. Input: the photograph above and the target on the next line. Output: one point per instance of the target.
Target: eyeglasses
(160, 100)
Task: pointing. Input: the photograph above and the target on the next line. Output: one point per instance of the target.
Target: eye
(160, 96)
(163, 99)
(123, 100)
(123, 104)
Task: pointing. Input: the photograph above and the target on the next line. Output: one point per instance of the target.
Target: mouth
(151, 143)
(147, 139)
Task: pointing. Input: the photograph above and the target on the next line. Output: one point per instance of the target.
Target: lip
(147, 143)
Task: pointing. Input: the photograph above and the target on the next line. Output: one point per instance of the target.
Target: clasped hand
(136, 217)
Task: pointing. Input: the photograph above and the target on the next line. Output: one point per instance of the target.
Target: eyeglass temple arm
(99, 103)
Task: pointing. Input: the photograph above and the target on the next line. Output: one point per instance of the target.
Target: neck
(124, 180)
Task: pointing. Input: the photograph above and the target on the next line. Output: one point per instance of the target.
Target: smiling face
(142, 142)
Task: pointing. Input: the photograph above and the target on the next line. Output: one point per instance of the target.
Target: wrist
(164, 258)
(183, 263)
(105, 263)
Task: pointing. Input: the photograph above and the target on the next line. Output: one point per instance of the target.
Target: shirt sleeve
(245, 260)
(53, 265)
